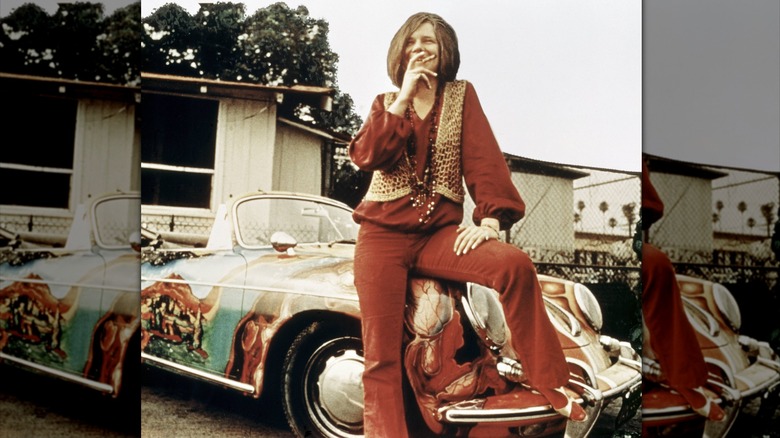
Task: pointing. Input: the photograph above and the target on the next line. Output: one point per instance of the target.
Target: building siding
(245, 149)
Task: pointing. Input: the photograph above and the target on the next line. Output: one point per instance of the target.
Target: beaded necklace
(423, 196)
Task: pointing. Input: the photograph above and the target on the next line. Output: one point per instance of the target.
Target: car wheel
(322, 387)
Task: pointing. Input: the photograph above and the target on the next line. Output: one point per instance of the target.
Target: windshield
(305, 220)
(116, 220)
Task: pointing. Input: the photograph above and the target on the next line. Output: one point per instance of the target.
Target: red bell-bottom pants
(383, 259)
(672, 337)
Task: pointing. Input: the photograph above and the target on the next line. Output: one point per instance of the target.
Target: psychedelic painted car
(266, 302)
(70, 309)
(740, 368)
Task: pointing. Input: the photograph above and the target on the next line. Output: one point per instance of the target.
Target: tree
(630, 215)
(716, 216)
(775, 240)
(76, 42)
(742, 207)
(577, 219)
(23, 44)
(349, 184)
(275, 46)
(603, 207)
(768, 212)
(121, 46)
(580, 207)
(166, 37)
(612, 223)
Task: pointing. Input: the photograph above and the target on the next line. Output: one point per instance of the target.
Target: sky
(559, 81)
(712, 82)
(589, 83)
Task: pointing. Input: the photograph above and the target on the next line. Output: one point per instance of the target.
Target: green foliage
(342, 117)
(217, 31)
(287, 47)
(349, 184)
(167, 36)
(77, 42)
(275, 46)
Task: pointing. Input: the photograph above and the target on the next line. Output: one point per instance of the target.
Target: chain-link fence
(717, 225)
(37, 229)
(716, 217)
(575, 216)
(579, 225)
(177, 223)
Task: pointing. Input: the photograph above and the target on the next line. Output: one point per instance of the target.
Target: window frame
(75, 188)
(179, 210)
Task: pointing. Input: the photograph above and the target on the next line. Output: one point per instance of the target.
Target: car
(69, 305)
(266, 303)
(740, 368)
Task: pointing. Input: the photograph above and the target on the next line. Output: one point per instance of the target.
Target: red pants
(383, 259)
(672, 337)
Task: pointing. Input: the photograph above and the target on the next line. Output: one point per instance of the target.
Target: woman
(672, 337)
(421, 143)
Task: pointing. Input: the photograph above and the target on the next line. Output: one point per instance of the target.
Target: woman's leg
(672, 337)
(381, 260)
(511, 272)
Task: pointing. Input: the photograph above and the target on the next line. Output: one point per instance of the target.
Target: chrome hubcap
(336, 401)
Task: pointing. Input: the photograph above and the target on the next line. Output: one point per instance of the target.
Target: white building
(64, 142)
(206, 142)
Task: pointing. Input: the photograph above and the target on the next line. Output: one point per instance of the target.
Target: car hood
(314, 269)
(309, 269)
(59, 272)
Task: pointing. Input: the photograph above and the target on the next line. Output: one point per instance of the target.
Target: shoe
(563, 404)
(708, 409)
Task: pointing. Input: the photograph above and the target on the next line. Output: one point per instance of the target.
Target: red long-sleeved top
(382, 140)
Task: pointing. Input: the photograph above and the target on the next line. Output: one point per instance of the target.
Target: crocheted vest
(448, 174)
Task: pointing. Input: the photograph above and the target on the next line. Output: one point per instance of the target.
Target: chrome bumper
(622, 378)
(758, 377)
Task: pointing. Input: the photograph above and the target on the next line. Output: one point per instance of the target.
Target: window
(306, 221)
(37, 160)
(178, 137)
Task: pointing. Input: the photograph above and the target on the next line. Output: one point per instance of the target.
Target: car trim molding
(103, 387)
(58, 283)
(348, 297)
(202, 374)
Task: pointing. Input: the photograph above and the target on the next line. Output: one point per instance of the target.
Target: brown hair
(449, 56)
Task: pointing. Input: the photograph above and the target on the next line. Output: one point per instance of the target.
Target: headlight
(486, 314)
(589, 306)
(727, 306)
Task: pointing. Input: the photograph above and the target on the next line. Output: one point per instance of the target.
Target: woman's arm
(487, 176)
(381, 140)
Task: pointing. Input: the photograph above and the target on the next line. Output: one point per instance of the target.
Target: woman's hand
(471, 236)
(415, 75)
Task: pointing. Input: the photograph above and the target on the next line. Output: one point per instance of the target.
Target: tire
(322, 388)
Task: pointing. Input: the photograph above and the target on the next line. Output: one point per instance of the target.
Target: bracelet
(498, 234)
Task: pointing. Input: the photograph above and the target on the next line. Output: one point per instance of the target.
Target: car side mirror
(283, 242)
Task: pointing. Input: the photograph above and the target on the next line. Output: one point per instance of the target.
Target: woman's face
(423, 40)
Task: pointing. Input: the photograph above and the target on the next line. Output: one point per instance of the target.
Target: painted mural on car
(268, 303)
(740, 368)
(71, 310)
